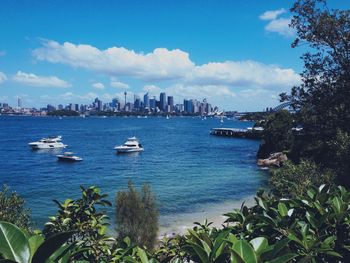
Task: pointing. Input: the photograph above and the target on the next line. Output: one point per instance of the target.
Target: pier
(250, 133)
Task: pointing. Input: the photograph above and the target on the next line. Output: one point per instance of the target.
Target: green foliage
(277, 135)
(322, 100)
(17, 246)
(312, 227)
(339, 156)
(89, 224)
(137, 215)
(315, 224)
(12, 209)
(292, 180)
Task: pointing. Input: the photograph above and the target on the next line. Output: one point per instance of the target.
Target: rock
(275, 159)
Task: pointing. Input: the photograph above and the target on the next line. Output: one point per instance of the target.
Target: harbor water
(189, 170)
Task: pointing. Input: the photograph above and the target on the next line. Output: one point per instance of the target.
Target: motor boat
(131, 145)
(48, 143)
(69, 157)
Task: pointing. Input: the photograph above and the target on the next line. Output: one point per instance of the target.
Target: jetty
(249, 133)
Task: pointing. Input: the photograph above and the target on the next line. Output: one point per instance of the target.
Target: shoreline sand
(171, 225)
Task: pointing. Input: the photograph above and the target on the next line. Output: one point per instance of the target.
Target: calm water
(187, 167)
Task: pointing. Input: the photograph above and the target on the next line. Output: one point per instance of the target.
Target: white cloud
(153, 89)
(119, 84)
(280, 26)
(164, 64)
(272, 14)
(33, 80)
(243, 74)
(200, 91)
(98, 85)
(118, 61)
(2, 77)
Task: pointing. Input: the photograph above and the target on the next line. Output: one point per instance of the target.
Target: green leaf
(245, 251)
(199, 251)
(259, 244)
(282, 209)
(50, 246)
(337, 204)
(35, 242)
(285, 258)
(142, 255)
(13, 243)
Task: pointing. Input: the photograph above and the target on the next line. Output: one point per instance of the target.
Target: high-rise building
(98, 104)
(163, 102)
(137, 104)
(171, 103)
(76, 107)
(152, 104)
(19, 102)
(50, 108)
(146, 101)
(115, 103)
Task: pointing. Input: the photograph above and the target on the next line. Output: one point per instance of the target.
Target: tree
(322, 100)
(277, 133)
(137, 215)
(12, 209)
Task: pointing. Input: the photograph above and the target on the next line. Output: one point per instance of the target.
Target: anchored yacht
(69, 157)
(48, 143)
(131, 145)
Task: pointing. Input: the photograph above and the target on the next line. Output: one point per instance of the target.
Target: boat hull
(38, 146)
(69, 159)
(128, 150)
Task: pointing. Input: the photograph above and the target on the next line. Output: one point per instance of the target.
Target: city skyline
(147, 104)
(235, 52)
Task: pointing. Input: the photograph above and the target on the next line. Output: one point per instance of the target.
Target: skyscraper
(171, 103)
(163, 102)
(152, 104)
(19, 102)
(146, 101)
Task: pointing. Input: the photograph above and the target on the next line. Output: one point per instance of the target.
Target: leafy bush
(312, 227)
(12, 209)
(137, 215)
(89, 224)
(17, 245)
(292, 180)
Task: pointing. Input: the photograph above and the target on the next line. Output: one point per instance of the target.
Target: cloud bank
(162, 64)
(33, 80)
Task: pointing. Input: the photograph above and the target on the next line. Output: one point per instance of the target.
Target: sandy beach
(171, 225)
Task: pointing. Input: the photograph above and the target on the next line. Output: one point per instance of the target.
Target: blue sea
(188, 169)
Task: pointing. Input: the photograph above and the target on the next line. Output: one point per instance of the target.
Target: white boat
(48, 143)
(167, 117)
(131, 145)
(69, 157)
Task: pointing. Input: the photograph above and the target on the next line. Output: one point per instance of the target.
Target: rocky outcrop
(275, 159)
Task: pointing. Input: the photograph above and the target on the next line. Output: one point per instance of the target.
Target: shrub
(89, 224)
(137, 215)
(292, 180)
(12, 209)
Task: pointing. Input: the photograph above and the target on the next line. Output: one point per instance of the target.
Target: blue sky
(234, 53)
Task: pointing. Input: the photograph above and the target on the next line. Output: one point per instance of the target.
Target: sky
(237, 54)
